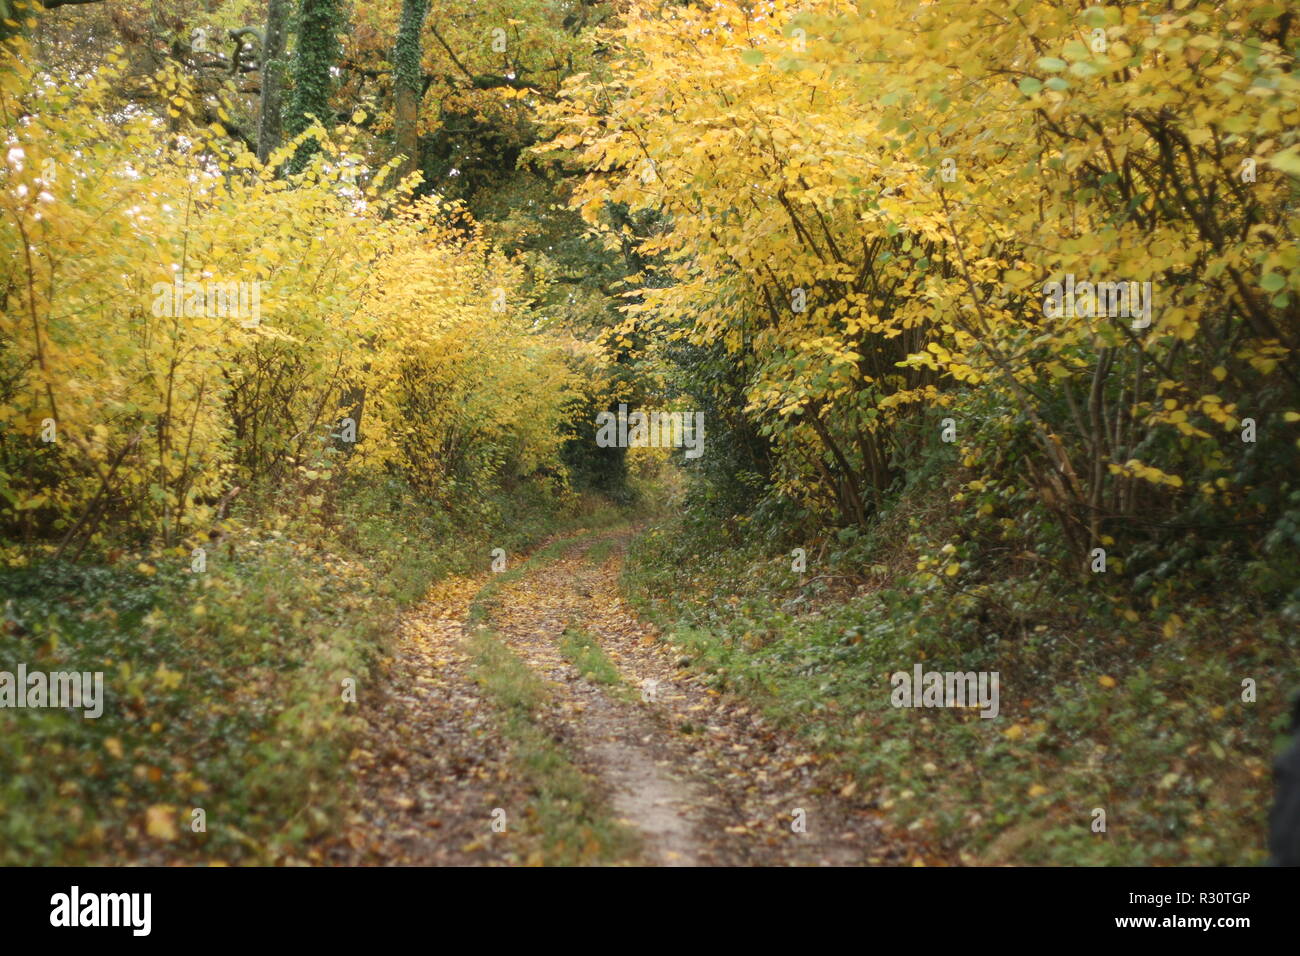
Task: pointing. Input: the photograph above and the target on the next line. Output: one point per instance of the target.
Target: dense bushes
(272, 409)
(178, 321)
(869, 207)
(996, 288)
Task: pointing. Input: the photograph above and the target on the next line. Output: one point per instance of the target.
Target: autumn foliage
(181, 320)
(863, 205)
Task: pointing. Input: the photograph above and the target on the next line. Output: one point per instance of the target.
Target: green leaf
(1288, 160)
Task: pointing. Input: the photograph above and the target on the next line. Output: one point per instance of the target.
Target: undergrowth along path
(530, 717)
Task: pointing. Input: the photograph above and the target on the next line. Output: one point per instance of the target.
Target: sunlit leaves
(918, 179)
(184, 319)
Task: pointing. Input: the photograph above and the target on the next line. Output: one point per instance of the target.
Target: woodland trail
(536, 700)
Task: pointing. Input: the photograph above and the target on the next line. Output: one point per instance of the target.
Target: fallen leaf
(160, 822)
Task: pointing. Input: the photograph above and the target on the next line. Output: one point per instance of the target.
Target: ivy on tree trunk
(318, 51)
(408, 84)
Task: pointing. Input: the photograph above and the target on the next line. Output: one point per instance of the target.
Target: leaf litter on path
(432, 766)
(700, 776)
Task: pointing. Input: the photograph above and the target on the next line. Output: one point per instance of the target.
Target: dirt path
(433, 764)
(698, 777)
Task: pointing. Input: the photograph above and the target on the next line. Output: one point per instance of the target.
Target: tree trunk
(408, 85)
(269, 123)
(317, 52)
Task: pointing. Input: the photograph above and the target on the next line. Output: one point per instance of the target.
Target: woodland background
(826, 225)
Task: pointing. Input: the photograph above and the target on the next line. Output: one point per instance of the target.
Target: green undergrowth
(229, 674)
(1111, 701)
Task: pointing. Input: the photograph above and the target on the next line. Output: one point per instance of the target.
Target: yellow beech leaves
(179, 320)
(1021, 217)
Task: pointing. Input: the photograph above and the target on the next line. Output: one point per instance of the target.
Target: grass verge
(582, 650)
(227, 680)
(566, 816)
(1140, 708)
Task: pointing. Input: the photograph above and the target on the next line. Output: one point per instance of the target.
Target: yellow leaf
(160, 822)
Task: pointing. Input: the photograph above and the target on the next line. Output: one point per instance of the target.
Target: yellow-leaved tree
(179, 320)
(1059, 239)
